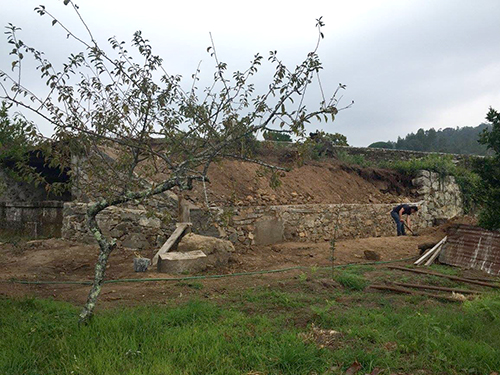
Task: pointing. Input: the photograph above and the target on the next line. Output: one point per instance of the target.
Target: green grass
(42, 337)
(258, 330)
(350, 280)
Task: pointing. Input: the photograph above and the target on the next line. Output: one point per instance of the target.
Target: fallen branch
(455, 278)
(413, 292)
(443, 288)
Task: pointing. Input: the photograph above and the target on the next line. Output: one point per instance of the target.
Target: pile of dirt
(248, 184)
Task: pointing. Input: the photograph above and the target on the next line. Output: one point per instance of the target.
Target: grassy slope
(257, 332)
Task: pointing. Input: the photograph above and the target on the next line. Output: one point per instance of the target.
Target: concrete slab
(176, 262)
(269, 231)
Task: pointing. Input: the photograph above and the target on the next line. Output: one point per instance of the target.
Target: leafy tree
(277, 136)
(17, 136)
(138, 131)
(20, 144)
(489, 170)
(388, 144)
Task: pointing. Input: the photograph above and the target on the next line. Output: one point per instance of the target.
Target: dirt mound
(244, 183)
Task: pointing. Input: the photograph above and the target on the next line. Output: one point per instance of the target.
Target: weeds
(347, 158)
(350, 280)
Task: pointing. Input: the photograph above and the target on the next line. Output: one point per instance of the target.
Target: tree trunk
(100, 269)
(105, 248)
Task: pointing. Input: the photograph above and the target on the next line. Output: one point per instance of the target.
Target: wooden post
(183, 210)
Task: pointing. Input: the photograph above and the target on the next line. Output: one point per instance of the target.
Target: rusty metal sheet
(472, 247)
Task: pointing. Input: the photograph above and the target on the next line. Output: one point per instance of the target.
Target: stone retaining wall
(133, 228)
(31, 219)
(265, 225)
(439, 197)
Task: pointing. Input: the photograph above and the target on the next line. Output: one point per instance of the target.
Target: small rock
(141, 264)
(371, 255)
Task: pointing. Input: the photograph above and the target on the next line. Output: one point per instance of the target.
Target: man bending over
(397, 214)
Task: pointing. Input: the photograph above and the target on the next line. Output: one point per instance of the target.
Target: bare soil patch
(58, 260)
(235, 182)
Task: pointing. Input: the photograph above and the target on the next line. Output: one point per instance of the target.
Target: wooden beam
(429, 252)
(443, 288)
(413, 292)
(454, 278)
(173, 241)
(434, 255)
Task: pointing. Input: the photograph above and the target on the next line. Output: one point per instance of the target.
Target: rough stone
(372, 255)
(136, 241)
(141, 264)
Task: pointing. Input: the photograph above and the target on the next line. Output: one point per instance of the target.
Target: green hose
(42, 282)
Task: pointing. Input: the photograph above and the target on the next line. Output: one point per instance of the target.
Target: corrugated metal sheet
(472, 247)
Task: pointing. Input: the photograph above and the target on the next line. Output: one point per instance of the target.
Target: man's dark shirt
(406, 209)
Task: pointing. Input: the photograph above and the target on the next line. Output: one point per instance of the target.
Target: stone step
(176, 262)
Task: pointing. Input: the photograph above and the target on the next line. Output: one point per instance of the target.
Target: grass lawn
(264, 330)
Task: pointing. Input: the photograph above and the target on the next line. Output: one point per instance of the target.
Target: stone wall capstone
(383, 154)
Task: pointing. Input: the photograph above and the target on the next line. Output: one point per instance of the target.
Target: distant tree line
(456, 141)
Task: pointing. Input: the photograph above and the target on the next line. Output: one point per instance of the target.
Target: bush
(489, 170)
(347, 158)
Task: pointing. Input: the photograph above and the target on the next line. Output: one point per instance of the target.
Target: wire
(238, 274)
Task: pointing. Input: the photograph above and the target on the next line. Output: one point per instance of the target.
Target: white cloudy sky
(407, 64)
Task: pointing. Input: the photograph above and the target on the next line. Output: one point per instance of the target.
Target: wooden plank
(443, 288)
(454, 278)
(429, 252)
(413, 292)
(434, 255)
(172, 241)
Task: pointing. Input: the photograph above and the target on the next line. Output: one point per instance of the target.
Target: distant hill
(449, 140)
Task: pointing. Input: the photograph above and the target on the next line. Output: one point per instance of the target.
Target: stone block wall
(31, 219)
(133, 228)
(441, 196)
(440, 199)
(265, 225)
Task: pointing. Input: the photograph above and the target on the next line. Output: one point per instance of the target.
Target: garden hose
(202, 277)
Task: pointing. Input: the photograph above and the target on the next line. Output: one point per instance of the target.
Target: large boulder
(218, 251)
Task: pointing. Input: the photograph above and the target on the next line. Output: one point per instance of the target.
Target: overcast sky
(407, 64)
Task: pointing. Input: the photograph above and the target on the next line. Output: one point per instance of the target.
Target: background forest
(450, 140)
